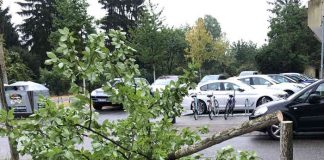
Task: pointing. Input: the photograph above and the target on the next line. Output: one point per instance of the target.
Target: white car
(100, 98)
(264, 81)
(160, 83)
(221, 89)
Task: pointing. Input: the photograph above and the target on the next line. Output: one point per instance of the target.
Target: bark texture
(246, 127)
(286, 140)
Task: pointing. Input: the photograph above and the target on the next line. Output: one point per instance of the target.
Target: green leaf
(51, 55)
(60, 65)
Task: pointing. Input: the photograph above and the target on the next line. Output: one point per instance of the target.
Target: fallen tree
(246, 127)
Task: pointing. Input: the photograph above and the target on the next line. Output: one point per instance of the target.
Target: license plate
(102, 100)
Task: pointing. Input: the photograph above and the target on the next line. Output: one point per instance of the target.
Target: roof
(31, 86)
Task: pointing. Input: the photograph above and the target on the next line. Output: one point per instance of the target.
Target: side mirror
(314, 99)
(241, 90)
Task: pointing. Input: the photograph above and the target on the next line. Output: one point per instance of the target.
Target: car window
(231, 86)
(320, 90)
(260, 81)
(245, 80)
(302, 98)
(203, 88)
(214, 86)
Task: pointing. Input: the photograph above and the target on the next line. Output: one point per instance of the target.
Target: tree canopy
(9, 31)
(121, 13)
(291, 45)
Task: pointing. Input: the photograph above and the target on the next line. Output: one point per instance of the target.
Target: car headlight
(260, 111)
(281, 95)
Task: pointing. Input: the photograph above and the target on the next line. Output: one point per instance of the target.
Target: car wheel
(263, 100)
(274, 131)
(97, 107)
(203, 108)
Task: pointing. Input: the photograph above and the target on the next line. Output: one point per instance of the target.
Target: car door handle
(295, 108)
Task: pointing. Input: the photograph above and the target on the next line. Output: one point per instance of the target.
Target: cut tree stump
(286, 140)
(246, 127)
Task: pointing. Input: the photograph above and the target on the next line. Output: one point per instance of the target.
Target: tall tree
(149, 41)
(244, 53)
(73, 15)
(10, 33)
(212, 26)
(291, 45)
(121, 13)
(203, 49)
(37, 27)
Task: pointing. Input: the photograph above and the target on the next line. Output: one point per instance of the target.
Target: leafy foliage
(244, 54)
(203, 49)
(228, 153)
(121, 14)
(213, 26)
(55, 81)
(16, 68)
(292, 45)
(8, 30)
(37, 27)
(73, 15)
(160, 49)
(147, 133)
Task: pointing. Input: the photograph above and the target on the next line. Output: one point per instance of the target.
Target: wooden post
(286, 140)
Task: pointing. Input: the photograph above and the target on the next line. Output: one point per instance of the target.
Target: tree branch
(246, 127)
(111, 140)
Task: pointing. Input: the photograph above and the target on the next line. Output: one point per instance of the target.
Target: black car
(305, 108)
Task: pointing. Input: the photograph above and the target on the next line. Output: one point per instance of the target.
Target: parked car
(305, 109)
(247, 73)
(100, 98)
(221, 89)
(282, 78)
(300, 78)
(160, 83)
(264, 81)
(213, 77)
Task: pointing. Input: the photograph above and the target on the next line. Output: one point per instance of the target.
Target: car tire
(203, 107)
(274, 131)
(263, 100)
(97, 107)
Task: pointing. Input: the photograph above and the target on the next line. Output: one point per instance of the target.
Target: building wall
(315, 13)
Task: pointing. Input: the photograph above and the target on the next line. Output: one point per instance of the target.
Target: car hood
(99, 92)
(274, 106)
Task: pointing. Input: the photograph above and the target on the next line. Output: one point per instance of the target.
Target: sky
(239, 19)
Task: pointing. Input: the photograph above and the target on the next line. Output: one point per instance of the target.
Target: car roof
(223, 80)
(256, 75)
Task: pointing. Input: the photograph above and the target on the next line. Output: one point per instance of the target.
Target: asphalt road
(305, 147)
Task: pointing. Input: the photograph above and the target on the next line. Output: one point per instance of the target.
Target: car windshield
(209, 77)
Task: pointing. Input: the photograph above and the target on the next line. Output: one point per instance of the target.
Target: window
(203, 88)
(303, 97)
(231, 86)
(246, 80)
(320, 90)
(213, 86)
(260, 81)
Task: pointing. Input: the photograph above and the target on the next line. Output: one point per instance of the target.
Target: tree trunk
(246, 127)
(154, 72)
(286, 140)
(12, 143)
(2, 61)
